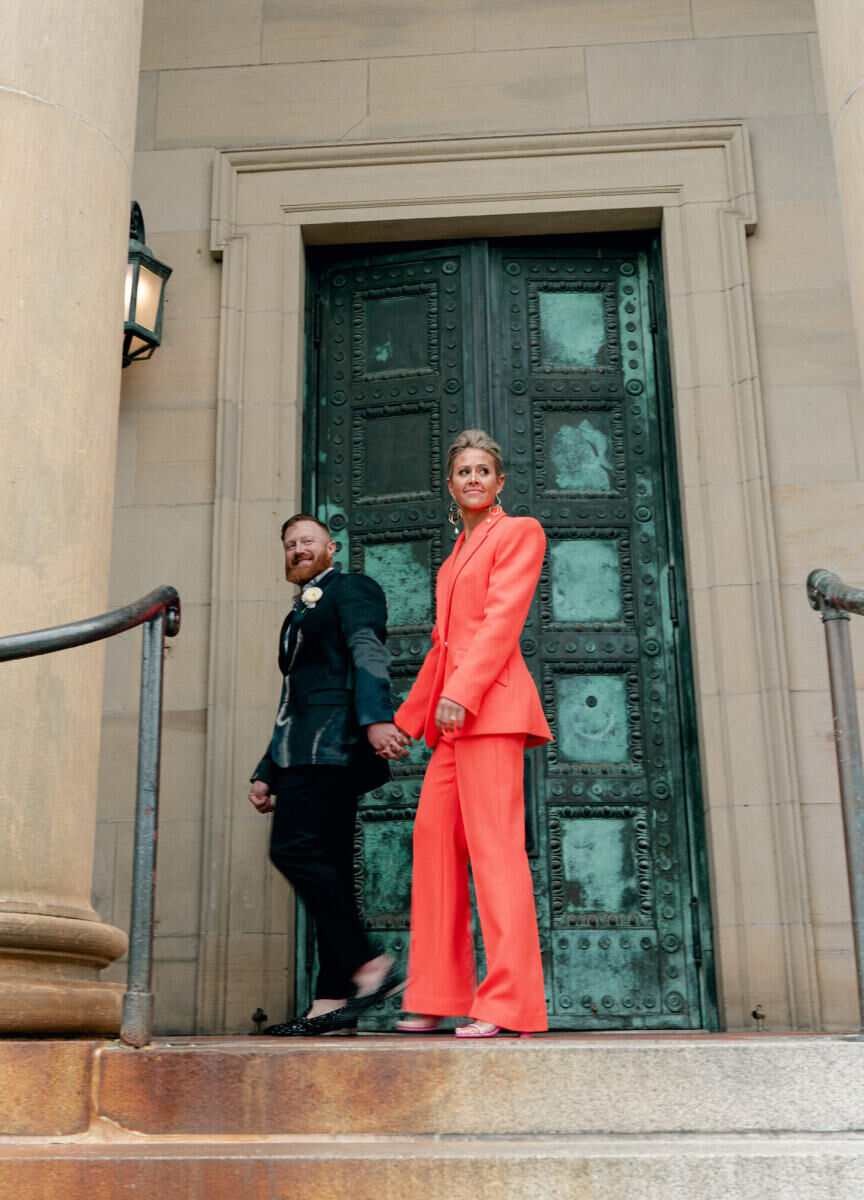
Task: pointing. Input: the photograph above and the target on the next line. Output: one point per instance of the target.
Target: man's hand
(449, 715)
(261, 797)
(387, 740)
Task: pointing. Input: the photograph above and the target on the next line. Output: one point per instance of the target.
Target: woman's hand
(388, 740)
(449, 715)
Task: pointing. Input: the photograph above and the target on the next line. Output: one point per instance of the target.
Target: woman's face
(473, 483)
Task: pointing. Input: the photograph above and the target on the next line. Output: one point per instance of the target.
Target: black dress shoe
(296, 1027)
(389, 986)
(340, 1020)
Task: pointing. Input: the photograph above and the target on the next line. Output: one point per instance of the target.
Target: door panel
(553, 349)
(390, 375)
(576, 391)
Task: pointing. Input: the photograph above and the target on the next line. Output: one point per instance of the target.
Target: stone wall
(162, 534)
(220, 73)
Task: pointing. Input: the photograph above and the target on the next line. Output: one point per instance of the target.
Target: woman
(478, 707)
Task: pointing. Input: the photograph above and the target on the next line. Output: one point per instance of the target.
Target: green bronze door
(558, 350)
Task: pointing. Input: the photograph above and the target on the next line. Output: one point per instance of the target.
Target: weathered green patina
(579, 455)
(405, 574)
(558, 350)
(592, 718)
(586, 580)
(572, 330)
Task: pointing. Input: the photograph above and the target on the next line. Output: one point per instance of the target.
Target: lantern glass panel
(148, 297)
(127, 296)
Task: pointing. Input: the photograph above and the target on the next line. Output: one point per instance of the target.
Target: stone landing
(587, 1118)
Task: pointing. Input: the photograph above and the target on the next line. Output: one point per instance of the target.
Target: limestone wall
(162, 533)
(226, 73)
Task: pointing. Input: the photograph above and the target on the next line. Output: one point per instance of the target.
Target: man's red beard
(308, 568)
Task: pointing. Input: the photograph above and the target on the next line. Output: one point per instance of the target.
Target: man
(334, 730)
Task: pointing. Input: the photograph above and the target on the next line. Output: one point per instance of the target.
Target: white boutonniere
(311, 596)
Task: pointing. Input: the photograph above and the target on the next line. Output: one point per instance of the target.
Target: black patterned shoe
(340, 1020)
(297, 1027)
(337, 1021)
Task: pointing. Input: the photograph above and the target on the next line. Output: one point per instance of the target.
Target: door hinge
(316, 321)
(652, 305)
(696, 930)
(673, 594)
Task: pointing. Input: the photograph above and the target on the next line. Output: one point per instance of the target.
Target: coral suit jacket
(483, 593)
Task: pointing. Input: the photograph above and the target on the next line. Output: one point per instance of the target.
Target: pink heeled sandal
(475, 1030)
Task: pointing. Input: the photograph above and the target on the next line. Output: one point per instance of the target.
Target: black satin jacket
(336, 670)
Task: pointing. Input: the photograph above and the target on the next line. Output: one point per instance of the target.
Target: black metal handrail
(159, 613)
(835, 600)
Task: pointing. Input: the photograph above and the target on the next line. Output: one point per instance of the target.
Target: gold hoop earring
(496, 507)
(454, 515)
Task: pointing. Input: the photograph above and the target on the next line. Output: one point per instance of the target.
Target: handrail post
(137, 1027)
(849, 763)
(159, 613)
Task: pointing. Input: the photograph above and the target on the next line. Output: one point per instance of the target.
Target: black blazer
(336, 680)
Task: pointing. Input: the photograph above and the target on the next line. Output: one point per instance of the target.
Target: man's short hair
(298, 517)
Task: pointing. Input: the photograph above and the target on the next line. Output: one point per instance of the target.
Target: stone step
(386, 1086)
(599, 1117)
(390, 1086)
(686, 1167)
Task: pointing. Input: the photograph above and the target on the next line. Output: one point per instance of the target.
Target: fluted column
(841, 41)
(68, 88)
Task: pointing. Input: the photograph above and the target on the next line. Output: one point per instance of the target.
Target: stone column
(68, 89)
(841, 40)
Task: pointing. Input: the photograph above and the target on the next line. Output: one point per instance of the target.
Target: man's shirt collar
(322, 575)
(319, 578)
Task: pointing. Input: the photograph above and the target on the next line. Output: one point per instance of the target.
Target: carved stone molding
(730, 138)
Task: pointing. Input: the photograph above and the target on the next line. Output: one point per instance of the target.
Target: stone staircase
(701, 1116)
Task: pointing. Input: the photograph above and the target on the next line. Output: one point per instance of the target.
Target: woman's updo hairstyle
(474, 439)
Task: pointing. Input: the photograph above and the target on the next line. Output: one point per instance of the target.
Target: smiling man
(333, 732)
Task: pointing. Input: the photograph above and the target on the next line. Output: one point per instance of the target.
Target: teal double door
(559, 351)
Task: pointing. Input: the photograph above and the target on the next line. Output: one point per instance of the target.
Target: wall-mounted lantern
(145, 291)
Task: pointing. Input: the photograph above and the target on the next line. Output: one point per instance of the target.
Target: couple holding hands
(477, 707)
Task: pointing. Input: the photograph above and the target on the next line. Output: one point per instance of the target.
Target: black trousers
(312, 844)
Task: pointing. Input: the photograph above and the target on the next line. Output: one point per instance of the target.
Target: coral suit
(471, 805)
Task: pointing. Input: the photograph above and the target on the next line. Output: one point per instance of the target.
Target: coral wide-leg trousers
(472, 807)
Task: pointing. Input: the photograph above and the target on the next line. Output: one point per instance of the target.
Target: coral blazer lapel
(459, 559)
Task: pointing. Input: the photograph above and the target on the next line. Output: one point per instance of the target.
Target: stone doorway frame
(695, 183)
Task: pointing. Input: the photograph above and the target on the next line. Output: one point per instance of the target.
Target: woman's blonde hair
(474, 439)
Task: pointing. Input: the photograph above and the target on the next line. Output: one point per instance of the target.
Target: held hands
(449, 715)
(261, 797)
(387, 740)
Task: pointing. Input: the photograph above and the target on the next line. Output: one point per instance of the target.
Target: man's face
(307, 552)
